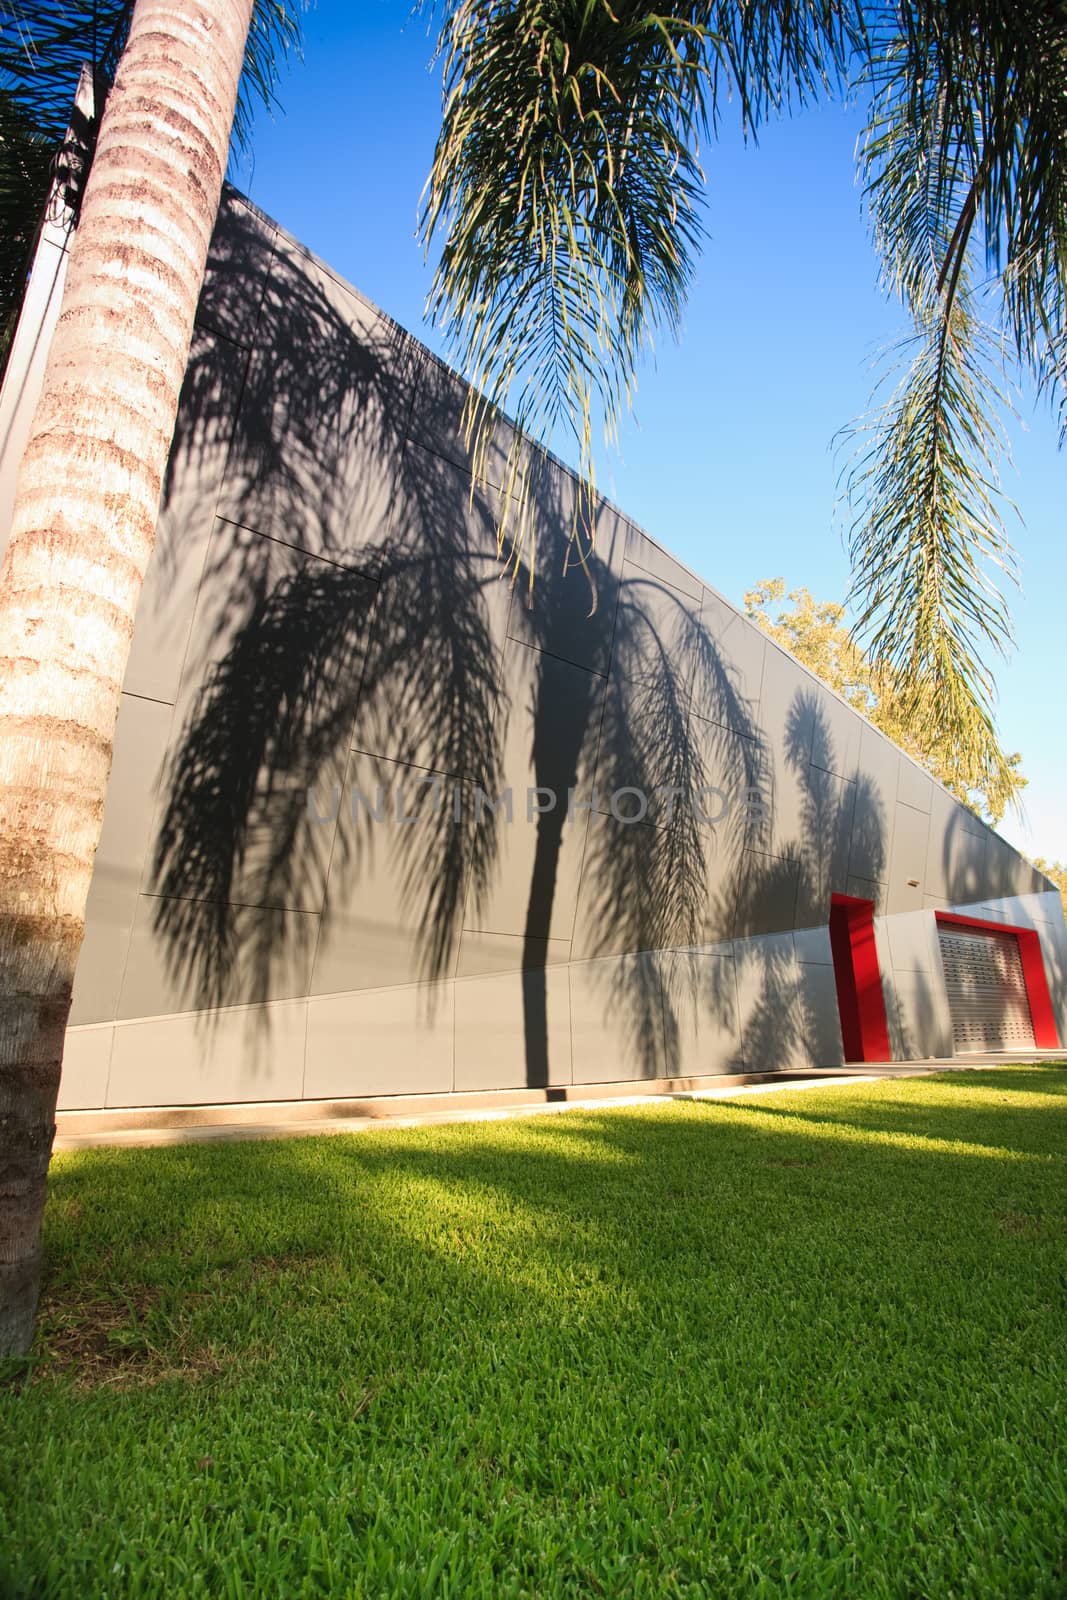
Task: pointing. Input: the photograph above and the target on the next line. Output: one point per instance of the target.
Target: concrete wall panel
(907, 858)
(868, 889)
(86, 1062)
(827, 811)
(787, 781)
(1007, 873)
(914, 786)
(774, 1028)
(701, 1027)
(140, 742)
(483, 953)
(912, 942)
(382, 1041)
(813, 947)
(723, 851)
(266, 710)
(873, 814)
(1023, 911)
(431, 685)
(626, 901)
(1053, 937)
(550, 744)
(728, 765)
(643, 552)
(617, 1019)
(323, 417)
(727, 673)
(917, 1013)
(240, 1055)
(239, 261)
(657, 635)
(571, 610)
(179, 956)
(957, 851)
(822, 1022)
(767, 894)
(836, 734)
(789, 706)
(436, 420)
(394, 902)
(506, 1025)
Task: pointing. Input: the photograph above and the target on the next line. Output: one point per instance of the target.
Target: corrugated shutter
(986, 990)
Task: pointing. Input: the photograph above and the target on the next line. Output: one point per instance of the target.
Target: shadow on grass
(1036, 1077)
(988, 1122)
(562, 1350)
(469, 1209)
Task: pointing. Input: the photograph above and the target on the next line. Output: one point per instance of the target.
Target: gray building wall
(325, 609)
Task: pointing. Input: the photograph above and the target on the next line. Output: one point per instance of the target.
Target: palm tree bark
(82, 533)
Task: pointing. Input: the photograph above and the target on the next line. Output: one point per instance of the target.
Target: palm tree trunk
(81, 536)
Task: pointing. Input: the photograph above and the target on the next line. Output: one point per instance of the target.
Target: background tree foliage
(816, 632)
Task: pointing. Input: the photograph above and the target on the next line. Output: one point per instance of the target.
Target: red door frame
(860, 1000)
(1046, 1034)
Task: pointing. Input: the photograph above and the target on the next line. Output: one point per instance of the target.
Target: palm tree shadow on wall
(365, 613)
(787, 884)
(351, 609)
(627, 728)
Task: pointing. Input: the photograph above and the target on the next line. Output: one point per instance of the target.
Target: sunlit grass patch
(806, 1343)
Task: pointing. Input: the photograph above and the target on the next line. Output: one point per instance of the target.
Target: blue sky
(729, 458)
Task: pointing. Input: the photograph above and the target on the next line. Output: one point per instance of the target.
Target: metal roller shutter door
(986, 990)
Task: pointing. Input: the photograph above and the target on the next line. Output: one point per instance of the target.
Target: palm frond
(568, 191)
(25, 176)
(567, 184)
(775, 55)
(965, 161)
(43, 44)
(929, 539)
(982, 90)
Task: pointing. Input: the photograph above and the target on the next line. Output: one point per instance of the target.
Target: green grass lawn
(799, 1344)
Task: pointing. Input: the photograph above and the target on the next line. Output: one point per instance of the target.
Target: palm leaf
(965, 160)
(567, 192)
(25, 175)
(43, 44)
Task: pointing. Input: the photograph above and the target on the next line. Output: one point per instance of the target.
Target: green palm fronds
(568, 191)
(965, 159)
(25, 175)
(44, 43)
(43, 47)
(568, 188)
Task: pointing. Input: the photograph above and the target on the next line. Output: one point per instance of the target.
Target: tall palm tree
(566, 191)
(81, 536)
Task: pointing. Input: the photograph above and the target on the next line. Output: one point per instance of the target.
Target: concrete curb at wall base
(166, 1125)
